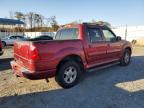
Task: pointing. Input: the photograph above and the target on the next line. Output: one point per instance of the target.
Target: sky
(116, 12)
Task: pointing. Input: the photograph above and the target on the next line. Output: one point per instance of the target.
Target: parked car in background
(10, 40)
(76, 48)
(1, 52)
(42, 37)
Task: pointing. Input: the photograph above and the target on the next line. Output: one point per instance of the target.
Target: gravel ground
(113, 87)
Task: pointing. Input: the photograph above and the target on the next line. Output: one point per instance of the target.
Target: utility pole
(126, 33)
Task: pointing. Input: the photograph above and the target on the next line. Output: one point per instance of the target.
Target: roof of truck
(85, 23)
(96, 24)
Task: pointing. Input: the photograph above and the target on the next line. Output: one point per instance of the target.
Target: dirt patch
(114, 87)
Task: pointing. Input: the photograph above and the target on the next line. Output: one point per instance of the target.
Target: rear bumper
(1, 52)
(22, 72)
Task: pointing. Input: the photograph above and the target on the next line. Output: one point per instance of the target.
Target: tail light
(34, 53)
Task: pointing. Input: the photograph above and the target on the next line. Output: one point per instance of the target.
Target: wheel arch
(73, 57)
(4, 43)
(129, 48)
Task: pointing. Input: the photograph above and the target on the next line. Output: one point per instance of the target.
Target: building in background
(11, 27)
(130, 33)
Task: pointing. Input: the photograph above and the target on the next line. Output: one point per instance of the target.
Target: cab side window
(94, 35)
(109, 36)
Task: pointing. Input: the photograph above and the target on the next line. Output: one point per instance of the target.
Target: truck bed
(49, 52)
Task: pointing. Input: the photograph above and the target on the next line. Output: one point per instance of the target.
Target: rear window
(66, 34)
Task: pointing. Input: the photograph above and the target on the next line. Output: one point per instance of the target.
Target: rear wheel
(126, 58)
(3, 44)
(68, 74)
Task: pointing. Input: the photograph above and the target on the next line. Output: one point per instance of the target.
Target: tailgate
(21, 52)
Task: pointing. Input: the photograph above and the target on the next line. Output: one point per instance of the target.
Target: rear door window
(94, 35)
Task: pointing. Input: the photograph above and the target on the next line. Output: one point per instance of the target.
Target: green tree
(19, 15)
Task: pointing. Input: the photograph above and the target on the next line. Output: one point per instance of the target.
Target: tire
(3, 44)
(68, 74)
(126, 58)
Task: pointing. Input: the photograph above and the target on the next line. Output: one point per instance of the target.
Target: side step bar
(102, 67)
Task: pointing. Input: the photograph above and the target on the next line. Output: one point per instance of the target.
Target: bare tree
(11, 14)
(34, 21)
(37, 19)
(30, 17)
(53, 23)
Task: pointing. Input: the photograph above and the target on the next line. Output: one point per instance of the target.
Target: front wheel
(68, 74)
(126, 58)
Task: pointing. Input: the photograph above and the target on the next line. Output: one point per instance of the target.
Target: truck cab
(1, 52)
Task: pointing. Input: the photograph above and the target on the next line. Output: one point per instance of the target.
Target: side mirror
(118, 38)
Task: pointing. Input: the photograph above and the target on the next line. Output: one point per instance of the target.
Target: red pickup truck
(1, 52)
(75, 49)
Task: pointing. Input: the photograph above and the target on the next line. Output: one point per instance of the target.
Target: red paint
(1, 52)
(0, 43)
(36, 60)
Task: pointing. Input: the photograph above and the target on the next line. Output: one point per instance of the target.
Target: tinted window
(19, 37)
(44, 37)
(12, 37)
(94, 35)
(109, 36)
(64, 34)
